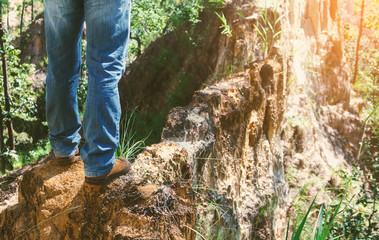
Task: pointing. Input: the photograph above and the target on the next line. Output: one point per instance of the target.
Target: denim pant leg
(63, 26)
(107, 24)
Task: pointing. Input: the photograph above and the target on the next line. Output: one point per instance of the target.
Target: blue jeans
(108, 24)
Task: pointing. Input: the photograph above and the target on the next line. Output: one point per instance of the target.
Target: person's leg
(107, 24)
(63, 27)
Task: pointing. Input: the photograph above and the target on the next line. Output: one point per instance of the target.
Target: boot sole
(68, 160)
(108, 179)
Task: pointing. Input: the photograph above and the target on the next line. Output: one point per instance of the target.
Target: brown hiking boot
(67, 160)
(120, 167)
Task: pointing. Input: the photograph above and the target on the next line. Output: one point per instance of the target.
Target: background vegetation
(353, 214)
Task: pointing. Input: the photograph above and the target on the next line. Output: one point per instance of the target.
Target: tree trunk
(22, 17)
(358, 43)
(2, 159)
(7, 16)
(6, 92)
(32, 6)
(139, 45)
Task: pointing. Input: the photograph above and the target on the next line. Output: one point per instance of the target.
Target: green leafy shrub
(30, 153)
(360, 218)
(24, 112)
(152, 18)
(23, 96)
(183, 12)
(148, 19)
(321, 228)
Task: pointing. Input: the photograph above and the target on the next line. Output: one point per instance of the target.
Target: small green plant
(129, 147)
(322, 226)
(268, 30)
(225, 27)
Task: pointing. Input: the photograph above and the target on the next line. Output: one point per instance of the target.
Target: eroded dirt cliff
(54, 203)
(253, 141)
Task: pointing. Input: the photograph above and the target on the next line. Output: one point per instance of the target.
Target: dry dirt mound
(54, 203)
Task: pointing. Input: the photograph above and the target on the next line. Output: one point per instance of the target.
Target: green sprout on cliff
(268, 30)
(226, 28)
(322, 226)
